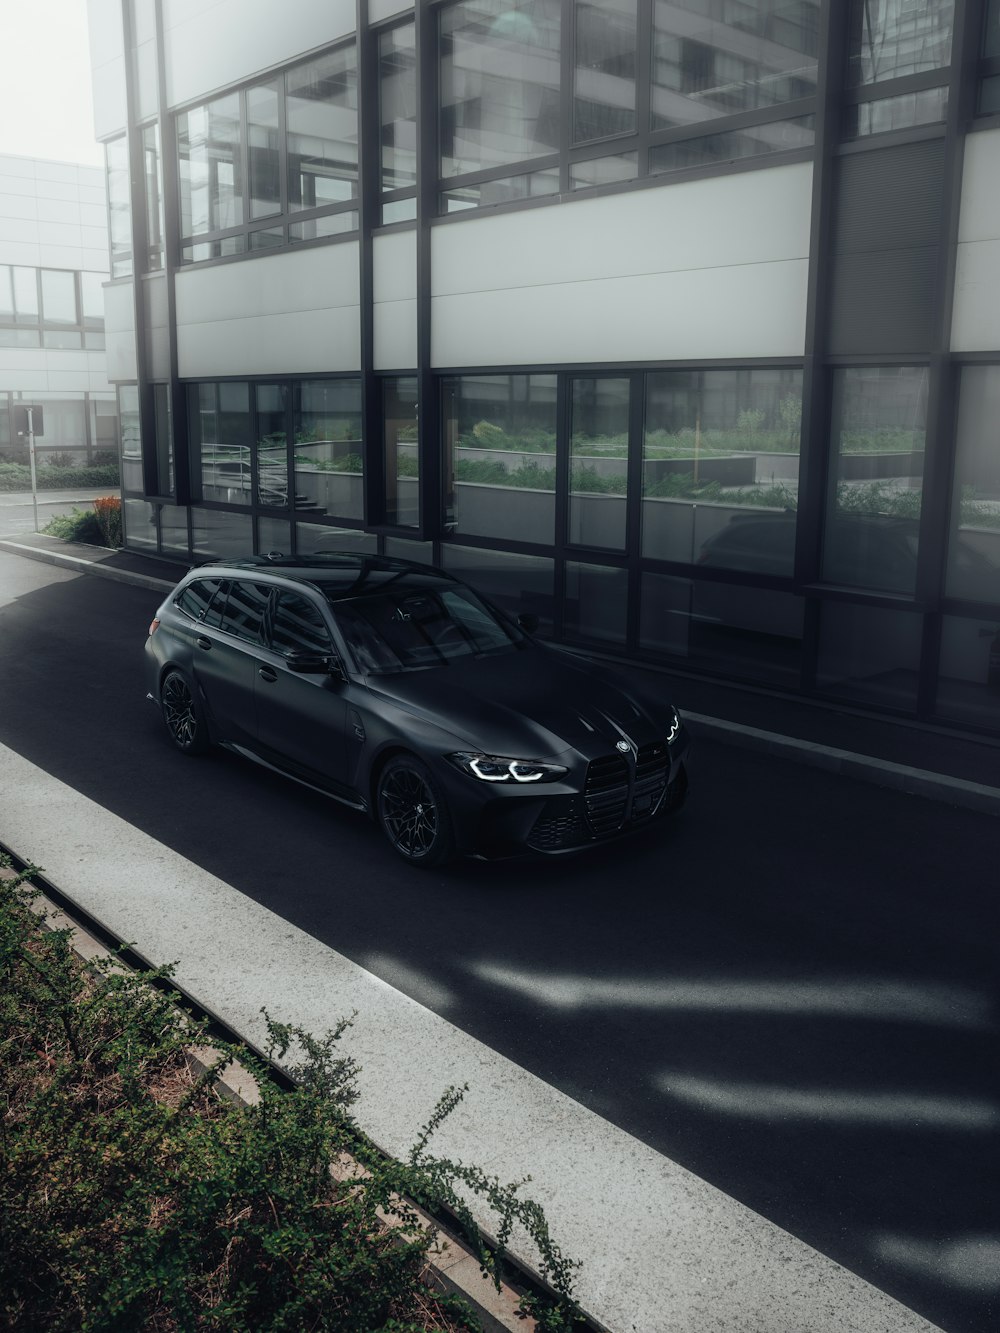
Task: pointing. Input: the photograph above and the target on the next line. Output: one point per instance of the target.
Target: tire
(676, 793)
(182, 714)
(413, 813)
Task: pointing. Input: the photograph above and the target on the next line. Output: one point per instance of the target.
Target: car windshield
(408, 630)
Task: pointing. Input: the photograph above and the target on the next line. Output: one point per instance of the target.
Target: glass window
(499, 81)
(533, 185)
(891, 38)
(598, 467)
(721, 452)
(92, 292)
(314, 229)
(754, 633)
(174, 529)
(219, 535)
(152, 167)
(515, 583)
(244, 614)
(604, 88)
(59, 297)
(119, 207)
(321, 118)
(870, 654)
(877, 449)
(272, 445)
(974, 552)
(63, 339)
(897, 113)
(775, 136)
(25, 294)
(195, 598)
(596, 602)
(298, 626)
(969, 671)
(19, 337)
(139, 524)
(322, 539)
(500, 465)
(401, 456)
(603, 171)
(211, 184)
(329, 468)
(274, 534)
(104, 427)
(398, 108)
(128, 412)
(220, 438)
(719, 59)
(164, 439)
(263, 150)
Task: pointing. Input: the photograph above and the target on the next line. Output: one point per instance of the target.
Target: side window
(298, 626)
(245, 610)
(195, 598)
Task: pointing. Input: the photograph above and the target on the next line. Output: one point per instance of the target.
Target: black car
(396, 689)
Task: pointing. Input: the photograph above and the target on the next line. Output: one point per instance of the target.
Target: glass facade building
(668, 322)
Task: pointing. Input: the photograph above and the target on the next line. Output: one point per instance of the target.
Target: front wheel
(182, 714)
(413, 813)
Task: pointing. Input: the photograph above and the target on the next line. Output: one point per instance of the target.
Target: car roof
(336, 574)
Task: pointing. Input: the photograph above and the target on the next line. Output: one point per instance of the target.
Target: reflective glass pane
(969, 671)
(59, 297)
(128, 411)
(139, 523)
(890, 38)
(229, 245)
(598, 467)
(499, 83)
(221, 438)
(877, 448)
(65, 339)
(596, 602)
(603, 171)
(174, 530)
(153, 175)
(219, 535)
(274, 534)
(399, 210)
(604, 89)
(989, 96)
(717, 59)
(515, 583)
(266, 238)
(208, 148)
(329, 469)
(317, 539)
(164, 439)
(264, 167)
(533, 185)
(500, 462)
(119, 208)
(92, 292)
(991, 29)
(321, 118)
(755, 633)
(869, 653)
(720, 471)
(330, 224)
(974, 554)
(775, 136)
(401, 458)
(897, 113)
(25, 294)
(398, 108)
(272, 445)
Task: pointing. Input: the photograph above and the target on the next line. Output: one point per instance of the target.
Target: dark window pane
(604, 90)
(220, 535)
(196, 597)
(777, 136)
(245, 609)
(398, 108)
(721, 468)
(119, 208)
(969, 672)
(220, 436)
(320, 538)
(718, 59)
(264, 168)
(877, 442)
(139, 523)
(869, 654)
(153, 175)
(229, 245)
(299, 626)
(274, 534)
(989, 96)
(974, 555)
(500, 464)
(533, 185)
(128, 411)
(897, 113)
(891, 38)
(599, 462)
(603, 171)
(267, 238)
(515, 583)
(208, 147)
(991, 30)
(272, 445)
(321, 111)
(329, 469)
(401, 458)
(596, 602)
(499, 81)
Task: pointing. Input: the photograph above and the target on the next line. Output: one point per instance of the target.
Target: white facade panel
(157, 344)
(394, 266)
(17, 205)
(22, 368)
(317, 341)
(710, 269)
(210, 44)
(107, 66)
(119, 327)
(976, 316)
(396, 335)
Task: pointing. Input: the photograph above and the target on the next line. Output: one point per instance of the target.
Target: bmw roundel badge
(624, 746)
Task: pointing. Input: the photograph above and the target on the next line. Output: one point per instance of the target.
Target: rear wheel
(182, 714)
(413, 813)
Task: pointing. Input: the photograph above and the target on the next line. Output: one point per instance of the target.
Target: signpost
(29, 420)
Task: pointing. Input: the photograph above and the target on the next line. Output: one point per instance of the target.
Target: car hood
(532, 704)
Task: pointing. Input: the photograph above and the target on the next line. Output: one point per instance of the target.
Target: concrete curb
(846, 763)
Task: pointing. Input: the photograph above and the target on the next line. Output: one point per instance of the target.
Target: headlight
(673, 730)
(494, 768)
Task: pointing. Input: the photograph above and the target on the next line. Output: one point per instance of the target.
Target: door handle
(267, 674)
(203, 643)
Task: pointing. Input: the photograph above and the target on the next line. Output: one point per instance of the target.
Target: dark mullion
(564, 423)
(428, 166)
(567, 98)
(369, 179)
(643, 81)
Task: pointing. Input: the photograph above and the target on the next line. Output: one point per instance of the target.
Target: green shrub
(133, 1197)
(80, 526)
(17, 477)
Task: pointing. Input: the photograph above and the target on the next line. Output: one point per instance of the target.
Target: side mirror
(528, 621)
(306, 663)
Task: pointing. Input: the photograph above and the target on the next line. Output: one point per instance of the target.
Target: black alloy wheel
(413, 813)
(182, 714)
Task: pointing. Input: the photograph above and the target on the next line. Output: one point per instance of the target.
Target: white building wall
(976, 316)
(119, 331)
(107, 65)
(712, 269)
(293, 312)
(394, 265)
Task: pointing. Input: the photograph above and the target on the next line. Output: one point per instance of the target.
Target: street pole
(31, 461)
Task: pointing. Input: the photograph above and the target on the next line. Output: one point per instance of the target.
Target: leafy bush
(133, 1197)
(17, 477)
(80, 526)
(108, 509)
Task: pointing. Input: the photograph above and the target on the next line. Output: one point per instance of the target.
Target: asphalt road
(790, 990)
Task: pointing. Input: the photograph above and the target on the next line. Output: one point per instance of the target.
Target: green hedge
(17, 477)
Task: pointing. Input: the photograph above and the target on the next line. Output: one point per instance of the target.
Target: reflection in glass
(596, 602)
(398, 108)
(163, 424)
(174, 529)
(869, 653)
(139, 524)
(274, 534)
(499, 82)
(925, 107)
(152, 169)
(401, 457)
(604, 89)
(969, 671)
(266, 238)
(891, 38)
(775, 136)
(220, 441)
(533, 185)
(500, 455)
(331, 224)
(211, 184)
(59, 297)
(721, 453)
(228, 245)
(128, 411)
(316, 539)
(92, 292)
(989, 96)
(321, 118)
(119, 207)
(272, 445)
(598, 477)
(603, 170)
(515, 583)
(327, 448)
(974, 553)
(877, 447)
(220, 536)
(263, 155)
(704, 67)
(399, 210)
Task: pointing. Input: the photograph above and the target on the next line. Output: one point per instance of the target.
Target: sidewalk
(922, 759)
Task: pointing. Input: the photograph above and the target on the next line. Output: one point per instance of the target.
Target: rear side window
(195, 598)
(244, 614)
(299, 626)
